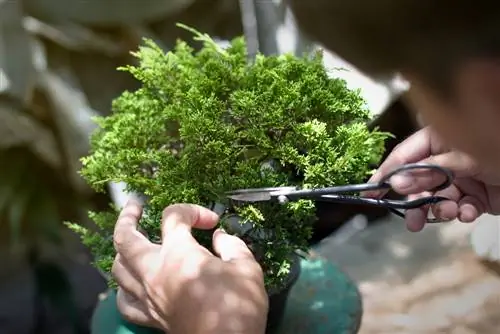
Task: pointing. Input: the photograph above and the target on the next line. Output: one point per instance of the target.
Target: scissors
(340, 194)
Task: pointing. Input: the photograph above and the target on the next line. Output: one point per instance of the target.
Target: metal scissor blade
(251, 197)
(258, 194)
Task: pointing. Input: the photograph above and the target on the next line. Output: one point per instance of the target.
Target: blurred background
(58, 63)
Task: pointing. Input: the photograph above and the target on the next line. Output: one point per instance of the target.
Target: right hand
(474, 191)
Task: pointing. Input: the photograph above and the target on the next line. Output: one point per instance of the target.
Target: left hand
(179, 285)
(474, 191)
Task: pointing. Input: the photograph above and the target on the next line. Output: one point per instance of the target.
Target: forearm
(228, 326)
(224, 316)
(215, 323)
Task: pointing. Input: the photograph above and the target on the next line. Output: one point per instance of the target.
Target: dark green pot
(322, 301)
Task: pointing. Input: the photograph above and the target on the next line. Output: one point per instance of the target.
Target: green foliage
(101, 244)
(204, 122)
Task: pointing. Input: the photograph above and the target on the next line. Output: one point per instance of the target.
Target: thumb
(412, 182)
(230, 247)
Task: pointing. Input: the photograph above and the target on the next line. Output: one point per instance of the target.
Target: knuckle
(472, 165)
(400, 148)
(188, 213)
(259, 273)
(237, 243)
(118, 240)
(397, 156)
(251, 269)
(397, 148)
(178, 209)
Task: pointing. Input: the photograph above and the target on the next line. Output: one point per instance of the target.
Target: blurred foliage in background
(58, 63)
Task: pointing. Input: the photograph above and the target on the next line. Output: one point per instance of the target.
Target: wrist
(217, 321)
(232, 326)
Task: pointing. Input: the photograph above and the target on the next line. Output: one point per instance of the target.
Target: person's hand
(179, 285)
(475, 191)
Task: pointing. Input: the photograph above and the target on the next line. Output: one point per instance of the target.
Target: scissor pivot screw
(282, 199)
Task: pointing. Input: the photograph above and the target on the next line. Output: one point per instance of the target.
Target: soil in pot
(278, 297)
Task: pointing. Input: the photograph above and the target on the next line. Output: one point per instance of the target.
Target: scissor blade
(251, 197)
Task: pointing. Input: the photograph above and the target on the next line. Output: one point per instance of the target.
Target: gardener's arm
(180, 286)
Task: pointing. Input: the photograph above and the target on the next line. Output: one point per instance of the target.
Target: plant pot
(323, 300)
(278, 298)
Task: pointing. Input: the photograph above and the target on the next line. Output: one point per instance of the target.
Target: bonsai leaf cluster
(208, 121)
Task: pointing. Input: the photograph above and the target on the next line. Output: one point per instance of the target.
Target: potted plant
(207, 122)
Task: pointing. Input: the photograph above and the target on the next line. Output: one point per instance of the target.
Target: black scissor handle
(384, 203)
(392, 205)
(414, 204)
(448, 174)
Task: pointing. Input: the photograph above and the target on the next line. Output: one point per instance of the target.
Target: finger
(413, 149)
(133, 247)
(460, 164)
(126, 235)
(178, 219)
(131, 309)
(475, 201)
(417, 181)
(416, 218)
(230, 247)
(447, 210)
(470, 208)
(473, 188)
(126, 279)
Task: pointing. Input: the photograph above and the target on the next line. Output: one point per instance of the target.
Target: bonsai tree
(206, 122)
